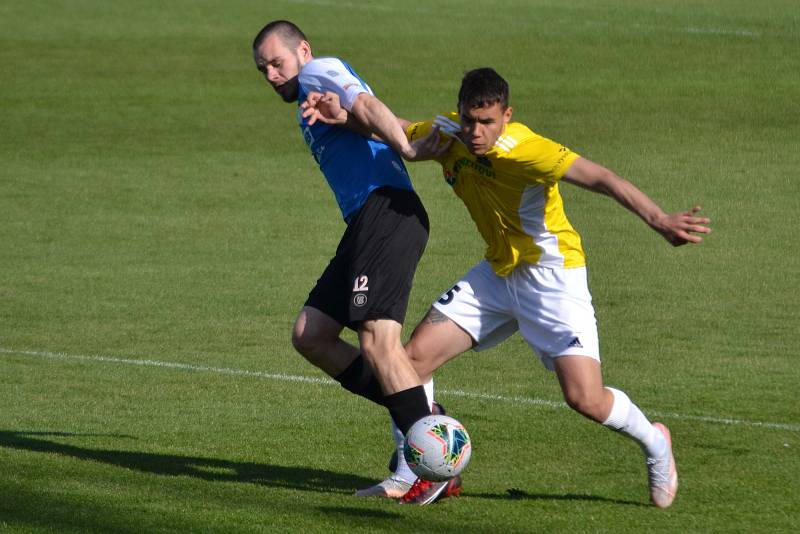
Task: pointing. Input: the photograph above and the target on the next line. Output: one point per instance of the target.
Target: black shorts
(370, 276)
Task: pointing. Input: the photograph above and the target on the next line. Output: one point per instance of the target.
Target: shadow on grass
(211, 469)
(361, 514)
(515, 494)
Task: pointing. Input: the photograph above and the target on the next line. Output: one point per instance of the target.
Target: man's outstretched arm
(678, 228)
(379, 119)
(370, 117)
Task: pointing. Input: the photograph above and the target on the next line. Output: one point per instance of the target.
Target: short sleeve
(545, 160)
(418, 130)
(331, 74)
(445, 122)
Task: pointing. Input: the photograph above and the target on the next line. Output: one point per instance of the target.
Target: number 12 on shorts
(361, 283)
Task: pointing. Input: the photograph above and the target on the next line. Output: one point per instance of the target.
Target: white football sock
(403, 472)
(628, 419)
(428, 386)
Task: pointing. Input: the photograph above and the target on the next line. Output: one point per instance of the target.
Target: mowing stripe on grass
(326, 381)
(697, 30)
(700, 30)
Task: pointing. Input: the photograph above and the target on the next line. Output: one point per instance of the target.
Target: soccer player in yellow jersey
(533, 277)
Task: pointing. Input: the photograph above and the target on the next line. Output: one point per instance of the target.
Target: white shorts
(551, 308)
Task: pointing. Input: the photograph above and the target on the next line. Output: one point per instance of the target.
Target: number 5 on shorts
(448, 297)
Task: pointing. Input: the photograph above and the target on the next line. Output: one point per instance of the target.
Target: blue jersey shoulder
(353, 165)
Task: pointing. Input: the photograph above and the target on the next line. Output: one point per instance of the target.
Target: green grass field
(161, 222)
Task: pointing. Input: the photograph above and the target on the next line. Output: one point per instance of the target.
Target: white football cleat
(663, 474)
(391, 488)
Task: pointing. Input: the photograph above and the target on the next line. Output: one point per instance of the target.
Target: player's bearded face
(289, 90)
(282, 75)
(280, 67)
(480, 127)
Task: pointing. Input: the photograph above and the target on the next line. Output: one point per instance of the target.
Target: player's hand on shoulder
(432, 146)
(323, 107)
(683, 227)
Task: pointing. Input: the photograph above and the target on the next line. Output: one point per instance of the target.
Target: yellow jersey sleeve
(539, 158)
(418, 130)
(448, 128)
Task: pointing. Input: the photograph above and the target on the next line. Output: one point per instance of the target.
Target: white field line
(172, 365)
(283, 377)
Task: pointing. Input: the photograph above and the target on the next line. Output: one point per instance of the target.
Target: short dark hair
(290, 34)
(481, 88)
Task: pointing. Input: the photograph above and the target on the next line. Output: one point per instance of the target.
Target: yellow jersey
(512, 194)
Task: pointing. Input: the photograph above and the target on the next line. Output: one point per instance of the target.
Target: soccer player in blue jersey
(366, 285)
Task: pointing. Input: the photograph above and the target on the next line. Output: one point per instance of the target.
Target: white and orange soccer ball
(437, 448)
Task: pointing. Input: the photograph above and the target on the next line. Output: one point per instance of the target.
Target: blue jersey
(353, 165)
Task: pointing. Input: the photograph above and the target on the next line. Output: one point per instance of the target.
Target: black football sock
(407, 407)
(358, 378)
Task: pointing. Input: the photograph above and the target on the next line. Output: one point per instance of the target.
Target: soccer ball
(437, 448)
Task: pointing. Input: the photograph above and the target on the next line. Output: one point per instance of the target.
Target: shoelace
(659, 474)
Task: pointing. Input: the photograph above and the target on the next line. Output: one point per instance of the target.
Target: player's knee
(419, 361)
(304, 340)
(585, 402)
(299, 343)
(376, 351)
(383, 354)
(380, 341)
(413, 352)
